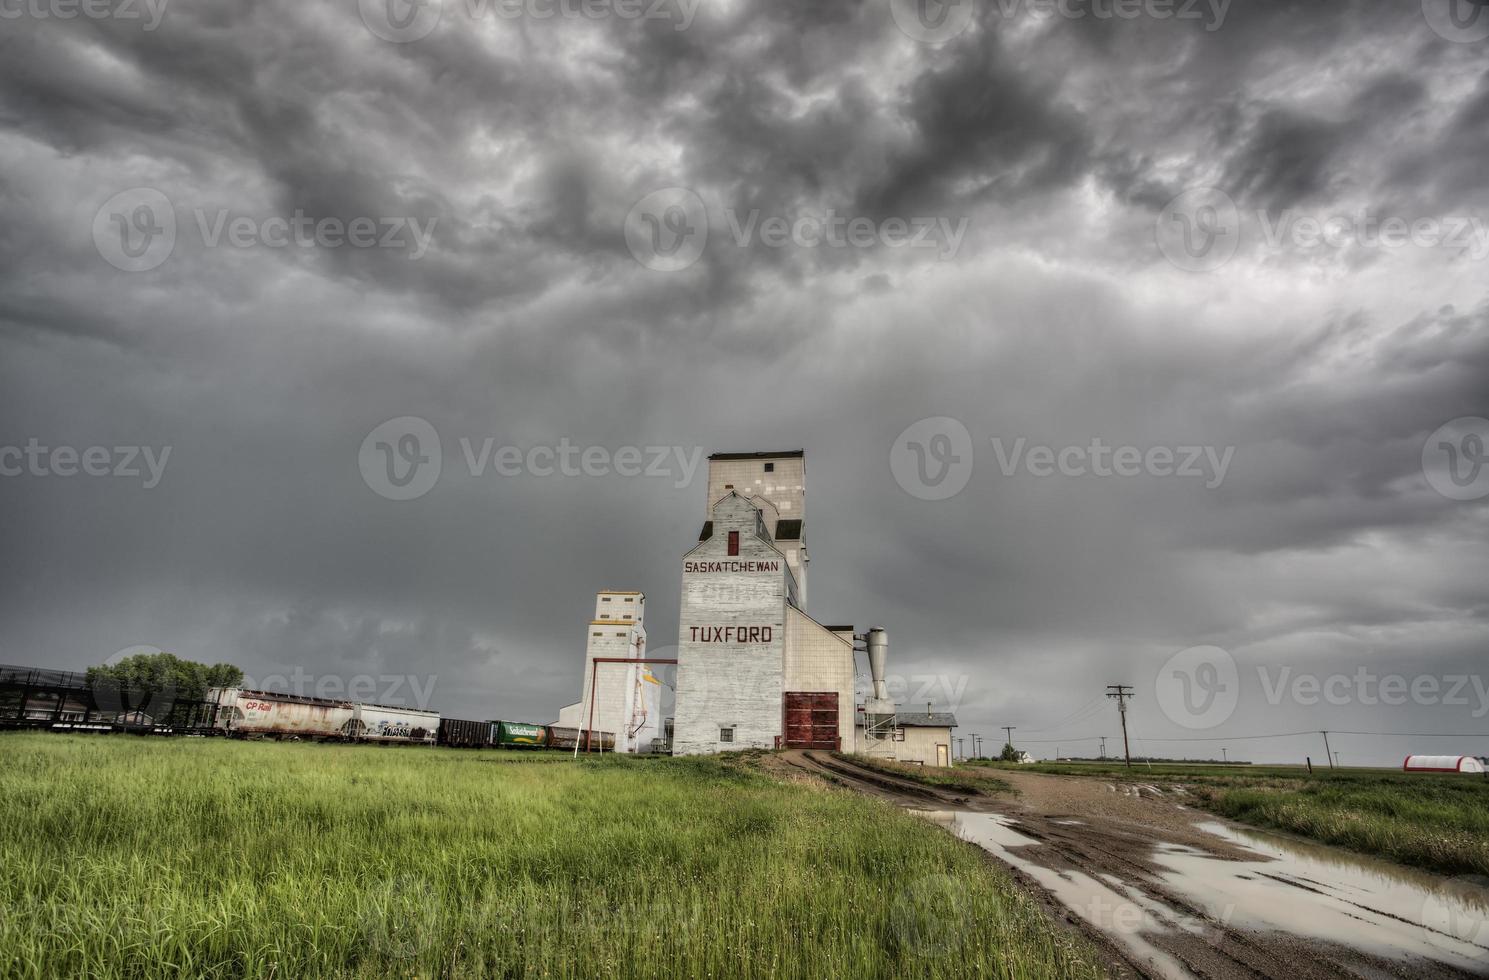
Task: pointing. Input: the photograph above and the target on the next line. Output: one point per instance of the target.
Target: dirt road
(1166, 890)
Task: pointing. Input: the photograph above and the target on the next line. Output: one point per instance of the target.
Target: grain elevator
(754, 668)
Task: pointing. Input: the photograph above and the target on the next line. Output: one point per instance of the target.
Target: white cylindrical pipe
(877, 642)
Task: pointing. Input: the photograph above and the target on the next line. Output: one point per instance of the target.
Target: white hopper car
(266, 713)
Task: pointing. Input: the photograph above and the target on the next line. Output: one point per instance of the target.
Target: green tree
(1009, 754)
(145, 674)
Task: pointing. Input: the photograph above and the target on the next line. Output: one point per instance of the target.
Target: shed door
(811, 720)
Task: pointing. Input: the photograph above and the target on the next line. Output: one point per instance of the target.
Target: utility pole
(1336, 758)
(1329, 756)
(1009, 729)
(976, 753)
(1223, 757)
(1103, 745)
(1122, 692)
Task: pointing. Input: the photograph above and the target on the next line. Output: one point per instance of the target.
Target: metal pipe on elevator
(877, 643)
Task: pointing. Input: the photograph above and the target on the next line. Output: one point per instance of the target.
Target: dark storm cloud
(1286, 159)
(528, 321)
(980, 121)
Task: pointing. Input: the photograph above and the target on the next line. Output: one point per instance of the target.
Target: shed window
(632, 599)
(597, 634)
(726, 734)
(733, 544)
(605, 599)
(770, 467)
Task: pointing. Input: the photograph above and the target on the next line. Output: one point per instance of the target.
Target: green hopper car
(515, 734)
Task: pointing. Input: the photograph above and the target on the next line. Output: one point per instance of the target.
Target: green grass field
(124, 857)
(1434, 821)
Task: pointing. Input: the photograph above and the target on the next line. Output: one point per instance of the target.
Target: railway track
(850, 774)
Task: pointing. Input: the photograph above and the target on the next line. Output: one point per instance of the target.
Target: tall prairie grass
(1440, 823)
(137, 858)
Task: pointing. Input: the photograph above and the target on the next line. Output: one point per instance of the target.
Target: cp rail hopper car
(266, 713)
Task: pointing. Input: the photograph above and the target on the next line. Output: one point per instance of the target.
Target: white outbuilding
(1443, 763)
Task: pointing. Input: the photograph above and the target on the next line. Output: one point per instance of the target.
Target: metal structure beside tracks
(63, 700)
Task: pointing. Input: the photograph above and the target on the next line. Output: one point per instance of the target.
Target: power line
(1079, 714)
(1062, 741)
(1239, 738)
(1315, 731)
(1065, 739)
(1417, 734)
(1093, 712)
(1231, 738)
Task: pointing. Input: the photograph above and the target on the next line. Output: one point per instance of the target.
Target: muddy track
(1077, 830)
(879, 784)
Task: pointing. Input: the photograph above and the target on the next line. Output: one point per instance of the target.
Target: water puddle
(1291, 887)
(1310, 889)
(1084, 895)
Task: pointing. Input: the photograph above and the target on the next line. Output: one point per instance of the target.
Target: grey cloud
(529, 321)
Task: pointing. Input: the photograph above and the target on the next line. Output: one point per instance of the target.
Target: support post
(594, 682)
(1122, 692)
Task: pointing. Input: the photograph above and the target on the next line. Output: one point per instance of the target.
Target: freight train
(67, 701)
(244, 713)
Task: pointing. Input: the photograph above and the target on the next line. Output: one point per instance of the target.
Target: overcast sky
(1015, 224)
